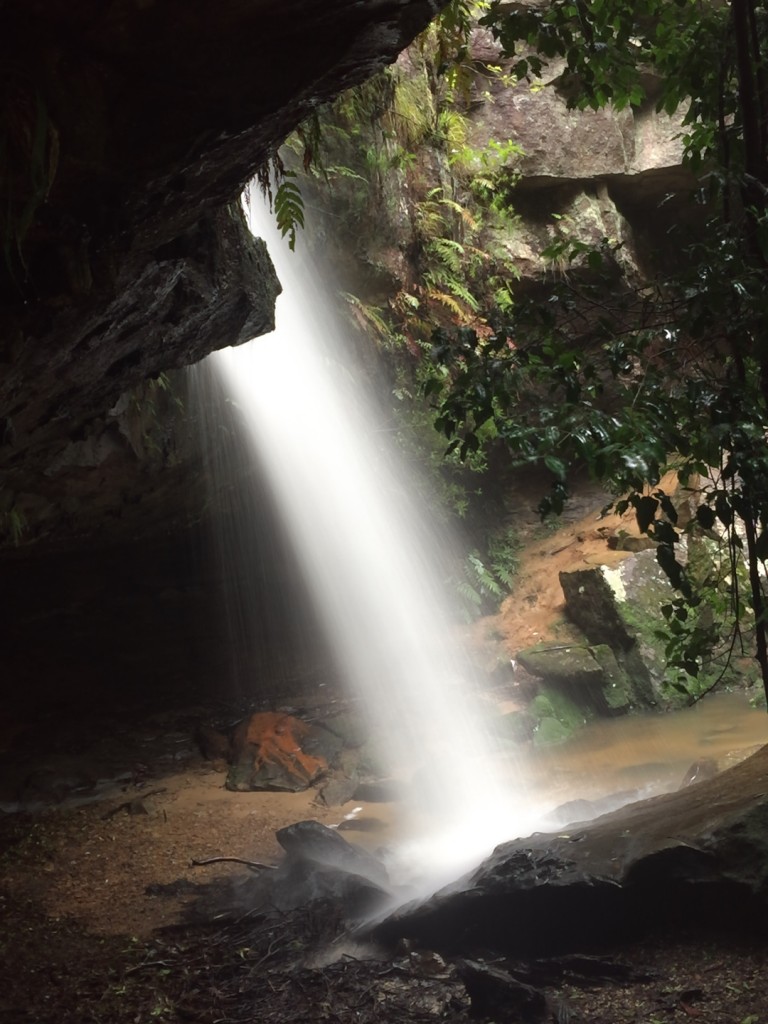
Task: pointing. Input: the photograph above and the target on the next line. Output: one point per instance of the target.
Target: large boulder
(583, 174)
(346, 884)
(699, 856)
(590, 676)
(621, 609)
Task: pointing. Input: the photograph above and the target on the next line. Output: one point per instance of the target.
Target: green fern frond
(449, 253)
(507, 576)
(468, 593)
(340, 171)
(482, 577)
(408, 301)
(463, 293)
(289, 208)
(452, 204)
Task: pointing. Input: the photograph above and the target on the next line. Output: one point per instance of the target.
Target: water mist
(375, 566)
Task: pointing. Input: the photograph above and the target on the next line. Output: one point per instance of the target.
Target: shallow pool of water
(605, 765)
(646, 754)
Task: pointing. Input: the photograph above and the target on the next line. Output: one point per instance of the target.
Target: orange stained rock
(278, 737)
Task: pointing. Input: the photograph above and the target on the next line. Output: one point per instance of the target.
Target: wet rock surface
(321, 864)
(700, 854)
(319, 869)
(496, 994)
(591, 676)
(593, 604)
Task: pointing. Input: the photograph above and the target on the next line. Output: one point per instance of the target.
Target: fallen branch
(254, 865)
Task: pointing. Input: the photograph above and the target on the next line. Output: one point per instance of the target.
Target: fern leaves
(286, 201)
(289, 208)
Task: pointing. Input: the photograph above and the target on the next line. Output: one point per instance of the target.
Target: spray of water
(375, 566)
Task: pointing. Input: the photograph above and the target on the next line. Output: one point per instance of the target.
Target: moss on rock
(590, 677)
(558, 716)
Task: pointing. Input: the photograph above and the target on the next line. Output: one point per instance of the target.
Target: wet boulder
(320, 865)
(706, 768)
(311, 842)
(590, 676)
(339, 884)
(580, 810)
(620, 609)
(335, 789)
(698, 856)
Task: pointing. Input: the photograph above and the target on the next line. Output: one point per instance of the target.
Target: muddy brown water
(607, 764)
(649, 753)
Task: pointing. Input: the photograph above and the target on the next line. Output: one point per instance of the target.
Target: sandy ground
(119, 865)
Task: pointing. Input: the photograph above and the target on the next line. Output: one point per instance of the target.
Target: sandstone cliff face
(592, 173)
(583, 174)
(128, 130)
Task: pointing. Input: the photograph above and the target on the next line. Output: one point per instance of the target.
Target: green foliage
(668, 376)
(477, 586)
(289, 208)
(608, 45)
(488, 576)
(618, 405)
(370, 319)
(281, 188)
(707, 58)
(452, 130)
(485, 167)
(449, 35)
(646, 391)
(412, 111)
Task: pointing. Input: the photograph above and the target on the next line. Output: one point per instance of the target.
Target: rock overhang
(133, 128)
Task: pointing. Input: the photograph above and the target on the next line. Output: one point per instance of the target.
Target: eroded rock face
(214, 284)
(129, 129)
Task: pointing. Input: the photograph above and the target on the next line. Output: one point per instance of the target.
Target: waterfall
(375, 566)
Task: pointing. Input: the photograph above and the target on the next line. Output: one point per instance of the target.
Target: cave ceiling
(129, 130)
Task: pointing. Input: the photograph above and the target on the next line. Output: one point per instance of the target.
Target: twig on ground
(254, 865)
